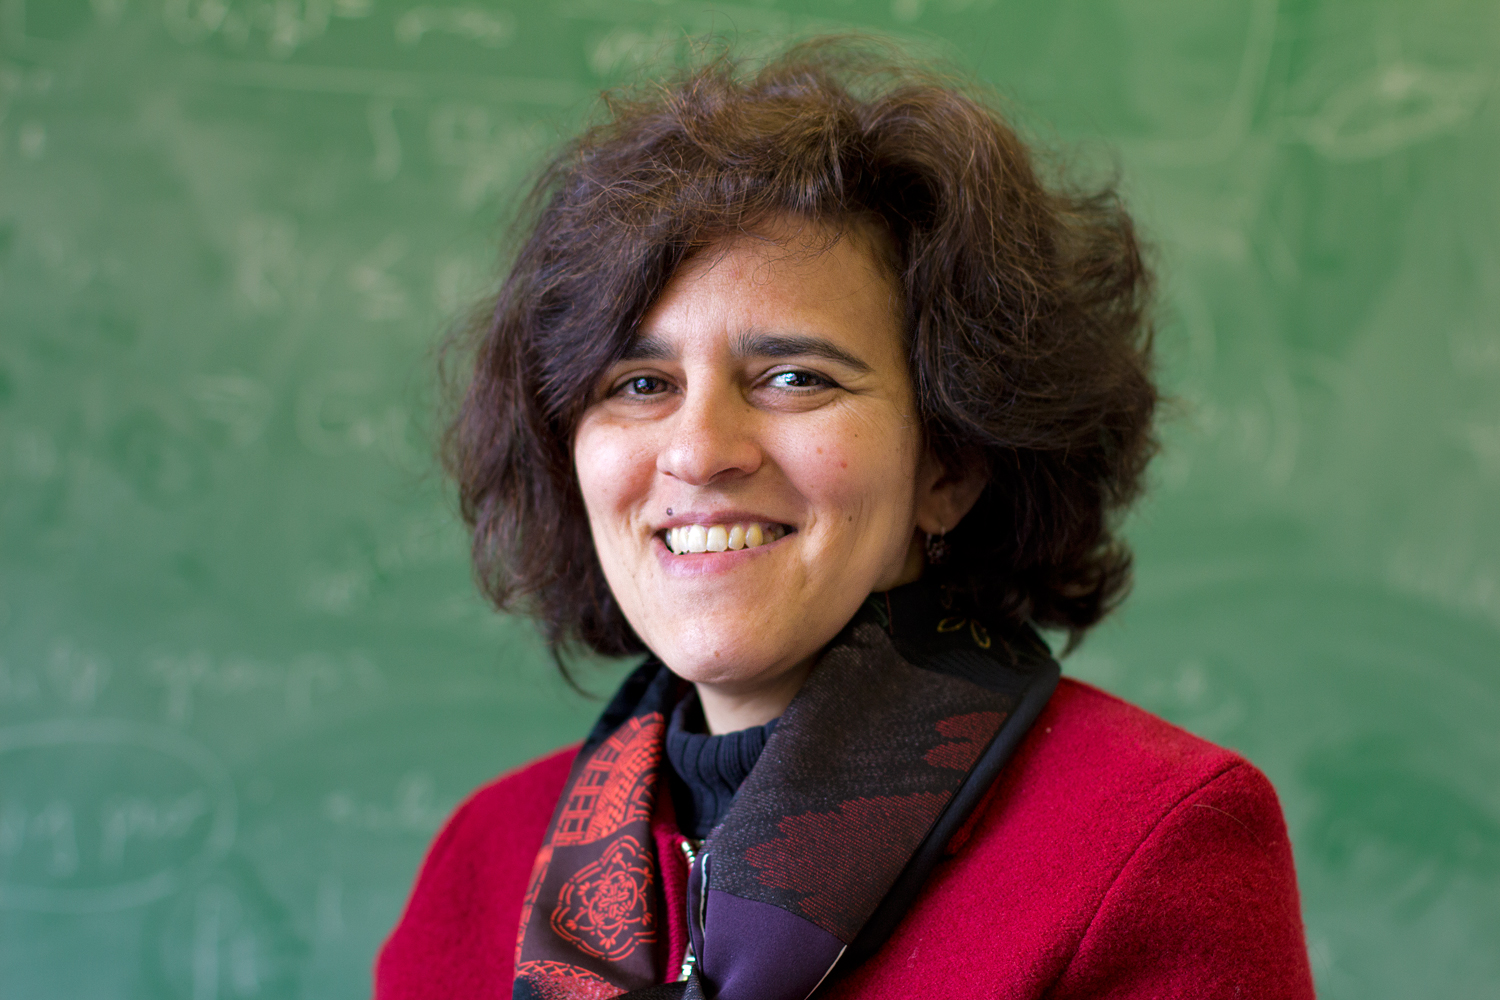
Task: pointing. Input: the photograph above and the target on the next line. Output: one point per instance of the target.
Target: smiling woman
(766, 401)
(805, 386)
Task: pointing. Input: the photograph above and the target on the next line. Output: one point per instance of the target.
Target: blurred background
(243, 672)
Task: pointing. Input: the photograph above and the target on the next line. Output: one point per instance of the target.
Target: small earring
(937, 548)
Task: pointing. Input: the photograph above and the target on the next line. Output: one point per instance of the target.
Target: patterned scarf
(892, 741)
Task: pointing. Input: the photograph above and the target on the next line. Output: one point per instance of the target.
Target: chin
(715, 658)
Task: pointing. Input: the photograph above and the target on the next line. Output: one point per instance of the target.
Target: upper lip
(717, 517)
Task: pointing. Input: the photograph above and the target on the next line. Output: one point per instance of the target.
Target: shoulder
(1116, 855)
(457, 935)
(1095, 775)
(1169, 859)
(1093, 765)
(1187, 857)
(1124, 750)
(1102, 777)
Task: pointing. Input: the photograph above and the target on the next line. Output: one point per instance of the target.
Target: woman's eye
(643, 385)
(799, 380)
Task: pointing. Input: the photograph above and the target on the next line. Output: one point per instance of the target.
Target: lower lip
(707, 563)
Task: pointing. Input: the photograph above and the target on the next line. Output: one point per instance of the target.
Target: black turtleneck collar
(708, 770)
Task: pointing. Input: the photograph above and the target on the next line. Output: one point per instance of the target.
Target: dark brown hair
(1025, 318)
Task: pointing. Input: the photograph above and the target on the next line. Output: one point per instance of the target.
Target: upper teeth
(718, 537)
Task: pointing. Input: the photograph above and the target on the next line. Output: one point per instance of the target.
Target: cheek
(863, 475)
(614, 469)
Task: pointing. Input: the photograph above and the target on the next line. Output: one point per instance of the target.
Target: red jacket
(1117, 856)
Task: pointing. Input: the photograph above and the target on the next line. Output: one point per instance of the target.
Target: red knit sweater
(1117, 856)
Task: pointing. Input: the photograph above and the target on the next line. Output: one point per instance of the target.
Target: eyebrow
(647, 348)
(772, 345)
(754, 344)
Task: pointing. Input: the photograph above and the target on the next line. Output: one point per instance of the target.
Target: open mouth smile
(687, 539)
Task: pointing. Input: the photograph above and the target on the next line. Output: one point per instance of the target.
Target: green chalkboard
(243, 673)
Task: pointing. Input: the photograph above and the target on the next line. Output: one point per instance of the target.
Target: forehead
(782, 277)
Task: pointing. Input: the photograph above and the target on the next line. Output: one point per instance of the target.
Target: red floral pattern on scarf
(605, 908)
(600, 906)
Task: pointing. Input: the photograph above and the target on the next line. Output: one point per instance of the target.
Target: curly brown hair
(1026, 319)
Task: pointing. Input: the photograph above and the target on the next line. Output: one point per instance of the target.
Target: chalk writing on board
(697, 17)
(457, 283)
(335, 589)
(240, 404)
(267, 269)
(382, 296)
(1483, 440)
(153, 452)
(18, 686)
(346, 411)
(1380, 818)
(328, 907)
(109, 12)
(293, 689)
(70, 676)
(141, 809)
(1234, 126)
(282, 26)
(191, 21)
(228, 937)
(380, 115)
(912, 10)
(1475, 352)
(412, 808)
(78, 675)
(1400, 105)
(31, 140)
(34, 454)
(1261, 432)
(1460, 577)
(627, 48)
(388, 84)
(490, 28)
(433, 539)
(491, 151)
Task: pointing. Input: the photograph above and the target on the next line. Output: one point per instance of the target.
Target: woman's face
(767, 394)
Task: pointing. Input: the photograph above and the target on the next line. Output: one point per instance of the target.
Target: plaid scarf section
(871, 769)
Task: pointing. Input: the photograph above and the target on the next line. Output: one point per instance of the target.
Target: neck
(730, 708)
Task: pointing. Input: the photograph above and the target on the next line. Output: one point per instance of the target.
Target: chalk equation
(345, 411)
(296, 686)
(227, 936)
(492, 152)
(102, 815)
(492, 29)
(71, 677)
(1400, 105)
(414, 807)
(282, 26)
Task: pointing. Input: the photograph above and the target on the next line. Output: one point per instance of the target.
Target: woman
(804, 385)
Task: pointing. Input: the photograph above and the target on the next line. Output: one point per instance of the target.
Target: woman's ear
(945, 495)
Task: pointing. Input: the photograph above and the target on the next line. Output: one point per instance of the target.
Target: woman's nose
(712, 439)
